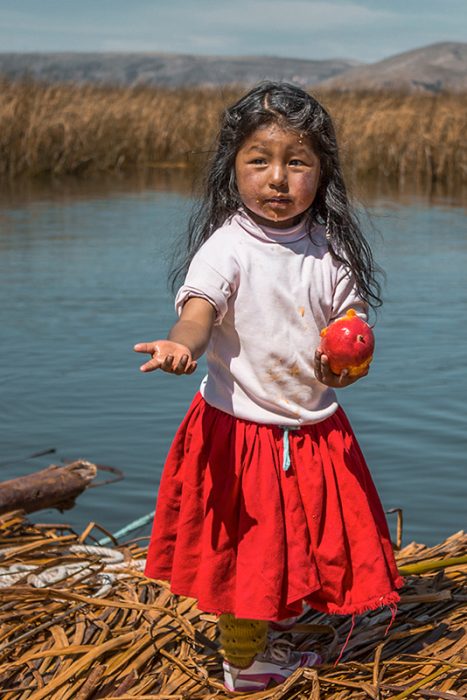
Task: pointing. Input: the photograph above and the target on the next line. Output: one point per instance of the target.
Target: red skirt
(240, 534)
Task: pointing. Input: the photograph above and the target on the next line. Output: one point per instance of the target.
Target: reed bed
(60, 129)
(81, 622)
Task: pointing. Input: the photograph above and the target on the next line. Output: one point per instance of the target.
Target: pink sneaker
(276, 663)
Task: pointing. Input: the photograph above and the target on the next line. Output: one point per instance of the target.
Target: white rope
(106, 554)
(14, 573)
(107, 566)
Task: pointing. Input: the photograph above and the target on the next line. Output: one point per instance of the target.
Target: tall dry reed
(411, 139)
(70, 129)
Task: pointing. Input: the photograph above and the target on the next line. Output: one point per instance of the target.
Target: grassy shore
(408, 139)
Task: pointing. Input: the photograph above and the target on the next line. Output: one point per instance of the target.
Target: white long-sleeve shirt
(273, 291)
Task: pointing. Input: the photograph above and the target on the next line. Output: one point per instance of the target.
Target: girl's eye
(258, 161)
(296, 161)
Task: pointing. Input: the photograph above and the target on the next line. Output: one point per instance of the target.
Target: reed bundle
(61, 129)
(88, 633)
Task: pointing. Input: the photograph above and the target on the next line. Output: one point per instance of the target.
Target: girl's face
(277, 173)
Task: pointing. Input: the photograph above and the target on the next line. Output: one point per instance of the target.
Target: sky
(363, 30)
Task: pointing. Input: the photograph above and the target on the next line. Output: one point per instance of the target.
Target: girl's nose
(278, 175)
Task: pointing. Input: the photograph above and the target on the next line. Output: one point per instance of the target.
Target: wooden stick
(54, 487)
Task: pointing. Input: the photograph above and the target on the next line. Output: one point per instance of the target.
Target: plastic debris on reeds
(79, 622)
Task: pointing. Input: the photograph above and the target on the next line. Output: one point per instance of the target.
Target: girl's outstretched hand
(324, 375)
(168, 356)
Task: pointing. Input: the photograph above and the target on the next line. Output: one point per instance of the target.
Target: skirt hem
(391, 598)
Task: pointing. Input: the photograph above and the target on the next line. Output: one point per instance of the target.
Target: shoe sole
(262, 680)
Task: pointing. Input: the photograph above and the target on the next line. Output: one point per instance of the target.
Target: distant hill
(168, 70)
(432, 68)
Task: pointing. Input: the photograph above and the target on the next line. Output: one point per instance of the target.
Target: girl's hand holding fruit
(345, 351)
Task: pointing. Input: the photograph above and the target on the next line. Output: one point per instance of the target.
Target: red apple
(348, 344)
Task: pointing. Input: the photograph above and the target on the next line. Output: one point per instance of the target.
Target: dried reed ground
(73, 129)
(71, 640)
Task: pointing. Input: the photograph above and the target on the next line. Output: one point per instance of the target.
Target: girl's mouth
(278, 202)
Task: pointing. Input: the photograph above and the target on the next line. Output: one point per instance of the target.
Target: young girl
(265, 501)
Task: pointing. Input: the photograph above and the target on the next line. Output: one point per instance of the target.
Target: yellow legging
(242, 639)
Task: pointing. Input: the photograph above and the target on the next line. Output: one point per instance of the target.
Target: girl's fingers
(321, 367)
(186, 366)
(151, 365)
(167, 363)
(318, 365)
(176, 365)
(144, 347)
(343, 377)
(324, 374)
(181, 366)
(172, 363)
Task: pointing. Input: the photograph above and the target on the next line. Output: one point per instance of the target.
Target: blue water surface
(83, 277)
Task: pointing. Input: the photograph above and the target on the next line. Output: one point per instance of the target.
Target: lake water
(83, 277)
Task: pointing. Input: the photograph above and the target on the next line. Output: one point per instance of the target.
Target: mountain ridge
(432, 68)
(167, 70)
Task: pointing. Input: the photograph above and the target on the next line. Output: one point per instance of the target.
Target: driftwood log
(54, 487)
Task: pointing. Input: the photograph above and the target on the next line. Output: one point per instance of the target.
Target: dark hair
(293, 108)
